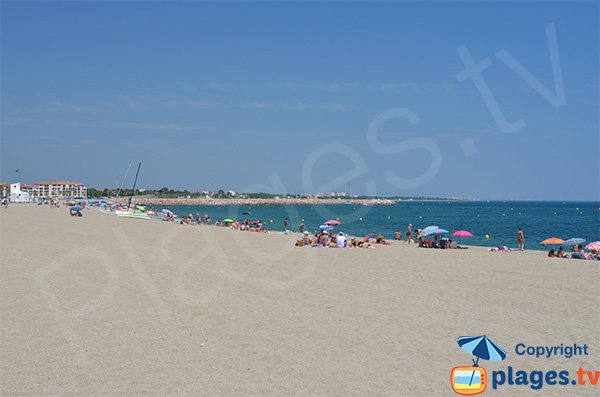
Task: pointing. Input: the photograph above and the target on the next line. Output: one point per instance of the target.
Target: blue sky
(270, 96)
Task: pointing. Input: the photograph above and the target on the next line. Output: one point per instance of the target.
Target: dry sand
(106, 306)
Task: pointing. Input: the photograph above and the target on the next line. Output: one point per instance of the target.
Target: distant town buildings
(47, 189)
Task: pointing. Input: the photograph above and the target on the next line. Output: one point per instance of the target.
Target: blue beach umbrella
(441, 231)
(80, 201)
(76, 208)
(429, 230)
(481, 347)
(325, 227)
(574, 241)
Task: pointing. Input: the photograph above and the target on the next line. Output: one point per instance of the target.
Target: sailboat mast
(134, 183)
(122, 183)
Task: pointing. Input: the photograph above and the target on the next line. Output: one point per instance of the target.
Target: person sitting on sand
(366, 238)
(341, 240)
(560, 253)
(314, 241)
(306, 238)
(324, 239)
(379, 238)
(333, 242)
(581, 254)
(551, 253)
(443, 243)
(353, 242)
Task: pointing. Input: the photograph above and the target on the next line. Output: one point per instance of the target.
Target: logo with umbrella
(469, 380)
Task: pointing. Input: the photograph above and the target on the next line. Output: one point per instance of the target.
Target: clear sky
(308, 96)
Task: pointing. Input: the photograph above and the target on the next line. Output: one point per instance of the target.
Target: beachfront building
(17, 195)
(59, 189)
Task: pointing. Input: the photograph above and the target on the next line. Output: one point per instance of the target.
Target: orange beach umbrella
(552, 241)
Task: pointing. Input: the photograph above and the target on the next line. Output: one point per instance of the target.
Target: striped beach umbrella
(574, 241)
(595, 246)
(429, 230)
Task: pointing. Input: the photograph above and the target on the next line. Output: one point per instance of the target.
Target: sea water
(499, 220)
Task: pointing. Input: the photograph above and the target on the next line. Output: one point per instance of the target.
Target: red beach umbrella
(332, 222)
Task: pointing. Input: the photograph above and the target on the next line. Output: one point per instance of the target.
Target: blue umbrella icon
(481, 347)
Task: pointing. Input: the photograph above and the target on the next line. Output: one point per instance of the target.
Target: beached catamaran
(135, 213)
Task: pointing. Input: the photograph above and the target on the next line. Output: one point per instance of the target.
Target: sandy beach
(106, 306)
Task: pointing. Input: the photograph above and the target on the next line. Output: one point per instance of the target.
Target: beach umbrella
(326, 227)
(440, 231)
(76, 208)
(429, 230)
(332, 222)
(228, 220)
(552, 241)
(462, 233)
(574, 241)
(595, 246)
(81, 201)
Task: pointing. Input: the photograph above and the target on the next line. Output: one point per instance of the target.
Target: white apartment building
(59, 189)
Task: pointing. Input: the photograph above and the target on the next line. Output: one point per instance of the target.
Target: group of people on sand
(340, 240)
(577, 253)
(245, 225)
(437, 242)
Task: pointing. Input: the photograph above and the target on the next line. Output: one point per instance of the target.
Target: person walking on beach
(520, 240)
(408, 233)
(285, 224)
(302, 228)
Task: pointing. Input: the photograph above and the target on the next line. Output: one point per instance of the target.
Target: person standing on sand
(520, 240)
(408, 233)
(397, 235)
(302, 228)
(285, 224)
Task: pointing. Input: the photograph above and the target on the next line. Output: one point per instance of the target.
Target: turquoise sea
(498, 219)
